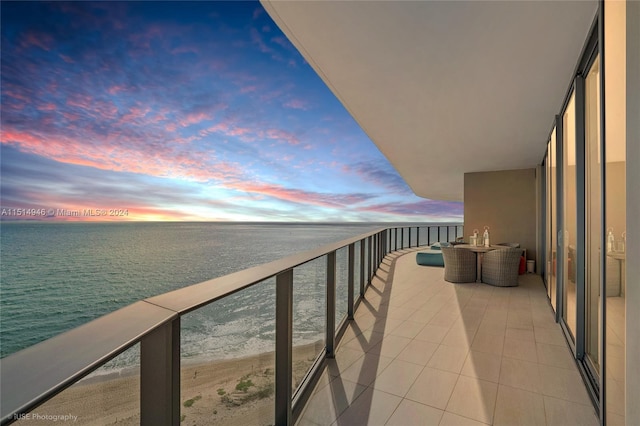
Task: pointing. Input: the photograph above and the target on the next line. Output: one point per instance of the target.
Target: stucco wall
(506, 202)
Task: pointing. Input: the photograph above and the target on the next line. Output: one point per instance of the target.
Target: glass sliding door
(615, 209)
(593, 218)
(551, 231)
(569, 233)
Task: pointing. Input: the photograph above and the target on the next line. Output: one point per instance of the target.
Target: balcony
(424, 351)
(382, 341)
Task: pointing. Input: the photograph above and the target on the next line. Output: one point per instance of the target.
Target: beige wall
(505, 201)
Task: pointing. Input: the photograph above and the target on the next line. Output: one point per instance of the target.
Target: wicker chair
(459, 265)
(500, 267)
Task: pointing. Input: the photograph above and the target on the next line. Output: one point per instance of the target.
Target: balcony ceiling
(444, 87)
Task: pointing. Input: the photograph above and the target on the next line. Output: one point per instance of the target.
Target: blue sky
(182, 111)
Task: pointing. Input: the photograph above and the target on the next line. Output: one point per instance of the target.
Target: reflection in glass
(569, 237)
(593, 194)
(615, 207)
(227, 359)
(342, 284)
(108, 395)
(309, 315)
(356, 270)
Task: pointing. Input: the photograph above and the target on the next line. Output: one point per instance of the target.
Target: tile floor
(422, 351)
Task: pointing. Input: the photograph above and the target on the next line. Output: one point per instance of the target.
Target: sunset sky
(182, 111)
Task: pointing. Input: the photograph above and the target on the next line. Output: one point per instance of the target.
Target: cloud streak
(203, 112)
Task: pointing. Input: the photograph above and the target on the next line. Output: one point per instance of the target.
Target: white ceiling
(444, 87)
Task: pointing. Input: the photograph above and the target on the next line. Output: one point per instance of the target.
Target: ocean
(57, 276)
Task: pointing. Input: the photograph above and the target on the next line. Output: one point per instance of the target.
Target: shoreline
(231, 392)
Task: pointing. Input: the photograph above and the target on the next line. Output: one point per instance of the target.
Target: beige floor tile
(520, 320)
(459, 336)
(495, 315)
(543, 319)
(520, 349)
(372, 407)
(473, 398)
(413, 413)
(492, 327)
(329, 402)
(401, 313)
(518, 407)
(561, 413)
(433, 387)
(397, 377)
(451, 419)
(418, 352)
(390, 346)
(520, 333)
(408, 329)
(448, 358)
(386, 325)
(445, 318)
(349, 334)
(324, 380)
(365, 341)
(520, 374)
(556, 356)
(432, 333)
(482, 365)
(488, 342)
(344, 358)
(550, 336)
(564, 384)
(366, 369)
(423, 315)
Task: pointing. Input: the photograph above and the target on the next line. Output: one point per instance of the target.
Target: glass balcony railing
(248, 345)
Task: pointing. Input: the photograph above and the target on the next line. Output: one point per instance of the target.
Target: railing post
(369, 262)
(331, 304)
(438, 233)
(409, 237)
(284, 342)
(160, 375)
(362, 268)
(448, 239)
(401, 238)
(352, 271)
(417, 236)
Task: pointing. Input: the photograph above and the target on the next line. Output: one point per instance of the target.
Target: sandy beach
(234, 392)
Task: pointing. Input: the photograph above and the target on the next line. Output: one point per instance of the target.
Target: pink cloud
(185, 49)
(283, 135)
(195, 118)
(67, 59)
(116, 152)
(297, 104)
(47, 107)
(281, 41)
(113, 90)
(248, 89)
(299, 196)
(41, 40)
(256, 38)
(135, 114)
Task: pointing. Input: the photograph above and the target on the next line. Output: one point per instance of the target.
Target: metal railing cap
(44, 369)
